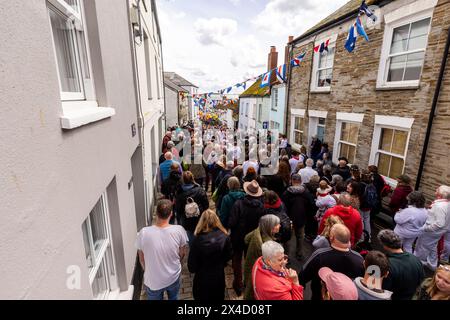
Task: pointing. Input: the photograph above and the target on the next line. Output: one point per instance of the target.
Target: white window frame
(254, 111)
(260, 112)
(341, 117)
(275, 99)
(314, 116)
(389, 122)
(297, 113)
(404, 15)
(246, 109)
(112, 282)
(78, 108)
(316, 59)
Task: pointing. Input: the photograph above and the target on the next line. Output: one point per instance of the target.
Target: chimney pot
(290, 39)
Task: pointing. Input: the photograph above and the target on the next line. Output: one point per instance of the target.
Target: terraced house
(387, 102)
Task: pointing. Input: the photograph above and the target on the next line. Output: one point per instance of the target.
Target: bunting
(266, 79)
(281, 73)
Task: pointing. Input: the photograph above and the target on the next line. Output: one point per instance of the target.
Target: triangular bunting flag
(266, 79)
(281, 73)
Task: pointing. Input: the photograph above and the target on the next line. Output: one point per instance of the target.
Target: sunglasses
(446, 268)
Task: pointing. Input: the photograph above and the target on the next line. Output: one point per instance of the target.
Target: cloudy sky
(218, 43)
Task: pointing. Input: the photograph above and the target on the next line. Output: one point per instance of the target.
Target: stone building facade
(359, 109)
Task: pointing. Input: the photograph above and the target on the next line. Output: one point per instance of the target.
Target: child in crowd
(324, 199)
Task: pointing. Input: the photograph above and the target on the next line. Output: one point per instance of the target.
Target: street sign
(265, 125)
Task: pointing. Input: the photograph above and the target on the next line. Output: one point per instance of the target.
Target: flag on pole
(351, 38)
(266, 79)
(360, 28)
(364, 9)
(281, 73)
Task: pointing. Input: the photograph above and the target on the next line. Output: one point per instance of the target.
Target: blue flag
(365, 9)
(229, 89)
(266, 79)
(351, 38)
(360, 28)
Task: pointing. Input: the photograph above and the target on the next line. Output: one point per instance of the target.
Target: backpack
(371, 196)
(191, 208)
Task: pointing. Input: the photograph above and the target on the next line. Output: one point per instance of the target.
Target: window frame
(297, 113)
(316, 59)
(102, 256)
(275, 100)
(394, 123)
(259, 115)
(352, 118)
(395, 20)
(63, 9)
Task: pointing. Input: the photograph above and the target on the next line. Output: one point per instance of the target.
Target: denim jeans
(172, 292)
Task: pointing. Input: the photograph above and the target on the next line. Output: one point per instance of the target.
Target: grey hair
(335, 179)
(444, 191)
(327, 168)
(168, 156)
(270, 249)
(233, 183)
(267, 223)
(345, 199)
(389, 239)
(309, 162)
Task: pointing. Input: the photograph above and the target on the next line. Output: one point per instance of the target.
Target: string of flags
(356, 29)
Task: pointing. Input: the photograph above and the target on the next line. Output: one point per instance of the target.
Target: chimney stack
(272, 63)
(286, 50)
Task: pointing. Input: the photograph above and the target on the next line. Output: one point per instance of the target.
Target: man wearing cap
(338, 257)
(244, 217)
(343, 170)
(336, 285)
(299, 203)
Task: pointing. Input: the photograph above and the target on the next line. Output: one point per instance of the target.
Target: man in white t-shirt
(162, 247)
(308, 172)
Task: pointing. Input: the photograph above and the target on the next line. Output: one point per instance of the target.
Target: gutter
(433, 112)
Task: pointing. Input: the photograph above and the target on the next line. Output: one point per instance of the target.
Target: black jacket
(285, 222)
(222, 187)
(209, 253)
(299, 203)
(198, 194)
(244, 217)
(170, 186)
(343, 172)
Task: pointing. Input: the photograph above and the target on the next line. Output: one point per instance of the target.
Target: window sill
(398, 87)
(321, 90)
(80, 113)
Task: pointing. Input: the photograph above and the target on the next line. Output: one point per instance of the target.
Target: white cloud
(179, 15)
(215, 30)
(235, 2)
(287, 17)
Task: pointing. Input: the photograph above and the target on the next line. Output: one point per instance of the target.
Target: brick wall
(353, 89)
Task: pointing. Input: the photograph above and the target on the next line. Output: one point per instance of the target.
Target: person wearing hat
(299, 202)
(338, 257)
(336, 285)
(244, 218)
(343, 170)
(398, 200)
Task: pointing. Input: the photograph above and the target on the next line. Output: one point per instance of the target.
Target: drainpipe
(433, 112)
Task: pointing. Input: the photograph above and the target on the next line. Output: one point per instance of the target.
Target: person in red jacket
(271, 280)
(350, 216)
(398, 198)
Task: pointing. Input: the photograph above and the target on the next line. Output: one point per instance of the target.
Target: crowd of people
(265, 210)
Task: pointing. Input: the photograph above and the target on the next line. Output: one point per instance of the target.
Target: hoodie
(299, 202)
(227, 203)
(350, 216)
(364, 293)
(279, 210)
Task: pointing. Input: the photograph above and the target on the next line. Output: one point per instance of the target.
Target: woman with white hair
(271, 280)
(436, 226)
(269, 226)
